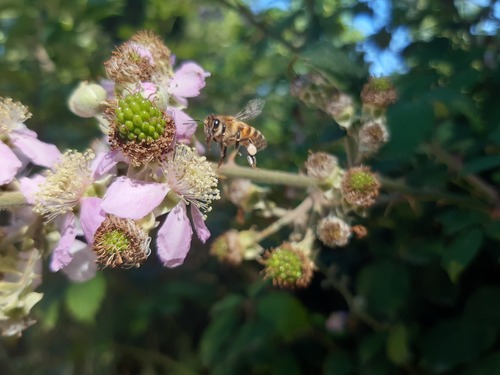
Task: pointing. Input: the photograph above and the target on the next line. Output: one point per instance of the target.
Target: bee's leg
(237, 142)
(252, 160)
(223, 152)
(251, 151)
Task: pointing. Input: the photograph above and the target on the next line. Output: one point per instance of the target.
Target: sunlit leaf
(398, 348)
(84, 300)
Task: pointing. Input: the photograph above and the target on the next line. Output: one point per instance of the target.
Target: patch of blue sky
(257, 6)
(383, 62)
(470, 8)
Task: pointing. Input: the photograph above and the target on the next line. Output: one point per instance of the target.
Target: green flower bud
(87, 100)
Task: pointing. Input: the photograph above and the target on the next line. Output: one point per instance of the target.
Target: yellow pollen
(192, 177)
(11, 114)
(64, 187)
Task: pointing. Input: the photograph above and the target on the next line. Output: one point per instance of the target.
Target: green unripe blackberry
(138, 119)
(288, 266)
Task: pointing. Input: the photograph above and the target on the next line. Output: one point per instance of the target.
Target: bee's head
(212, 124)
(209, 124)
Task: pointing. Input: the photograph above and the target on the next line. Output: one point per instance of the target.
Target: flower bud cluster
(338, 194)
(316, 91)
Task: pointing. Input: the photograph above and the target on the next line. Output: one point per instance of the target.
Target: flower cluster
(336, 195)
(99, 206)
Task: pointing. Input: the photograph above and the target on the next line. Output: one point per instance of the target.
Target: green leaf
(328, 58)
(454, 103)
(386, 287)
(484, 306)
(284, 313)
(247, 344)
(487, 366)
(492, 230)
(436, 286)
(461, 251)
(455, 341)
(398, 350)
(285, 364)
(457, 219)
(217, 336)
(481, 164)
(229, 303)
(422, 251)
(338, 363)
(410, 124)
(372, 346)
(84, 300)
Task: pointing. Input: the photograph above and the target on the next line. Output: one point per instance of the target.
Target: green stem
(11, 199)
(449, 198)
(266, 176)
(156, 357)
(286, 219)
(340, 283)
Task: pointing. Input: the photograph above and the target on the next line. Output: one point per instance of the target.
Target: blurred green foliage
(422, 290)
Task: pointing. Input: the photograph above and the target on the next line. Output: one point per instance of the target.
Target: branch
(267, 176)
(250, 17)
(454, 165)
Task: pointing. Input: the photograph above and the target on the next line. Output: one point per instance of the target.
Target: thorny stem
(12, 199)
(454, 165)
(243, 10)
(231, 170)
(340, 284)
(448, 198)
(349, 150)
(286, 219)
(155, 357)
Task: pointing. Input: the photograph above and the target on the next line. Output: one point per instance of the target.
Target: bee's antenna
(198, 121)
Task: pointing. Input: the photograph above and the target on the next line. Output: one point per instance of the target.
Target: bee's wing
(251, 110)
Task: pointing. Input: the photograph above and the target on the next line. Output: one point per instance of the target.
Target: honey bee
(232, 130)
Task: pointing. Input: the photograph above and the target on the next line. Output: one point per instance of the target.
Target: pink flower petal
(83, 266)
(174, 237)
(133, 199)
(109, 86)
(149, 90)
(185, 125)
(9, 166)
(91, 216)
(61, 256)
(188, 80)
(105, 162)
(29, 186)
(143, 52)
(199, 224)
(38, 152)
(200, 147)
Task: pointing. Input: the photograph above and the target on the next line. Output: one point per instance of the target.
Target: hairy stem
(340, 284)
(286, 219)
(266, 176)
